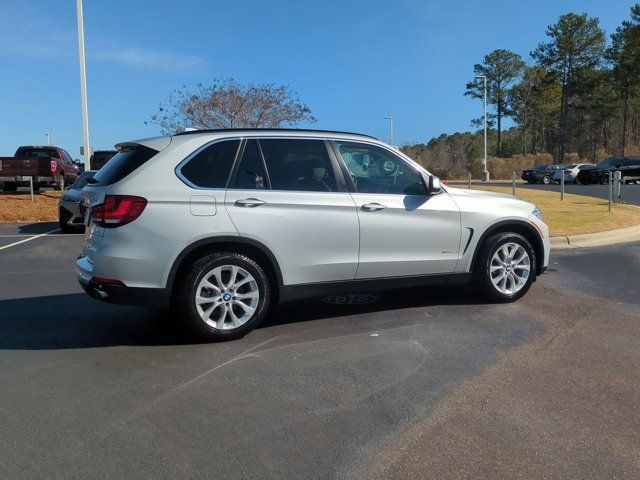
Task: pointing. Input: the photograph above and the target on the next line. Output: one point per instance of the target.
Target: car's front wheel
(506, 267)
(224, 296)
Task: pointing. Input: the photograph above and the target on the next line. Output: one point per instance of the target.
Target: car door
(403, 230)
(289, 195)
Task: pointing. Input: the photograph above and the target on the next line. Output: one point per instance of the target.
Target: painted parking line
(29, 239)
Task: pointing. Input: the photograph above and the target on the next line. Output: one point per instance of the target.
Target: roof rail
(226, 130)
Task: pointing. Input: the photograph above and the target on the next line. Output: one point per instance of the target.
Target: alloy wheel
(227, 297)
(510, 268)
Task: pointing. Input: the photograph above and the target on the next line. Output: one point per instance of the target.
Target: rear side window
(298, 165)
(122, 165)
(251, 174)
(210, 167)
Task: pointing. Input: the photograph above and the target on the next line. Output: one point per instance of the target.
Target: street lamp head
(483, 77)
(388, 117)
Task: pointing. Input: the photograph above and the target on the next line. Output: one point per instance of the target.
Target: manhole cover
(351, 299)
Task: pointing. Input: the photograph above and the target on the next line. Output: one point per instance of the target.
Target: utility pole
(485, 173)
(390, 118)
(83, 88)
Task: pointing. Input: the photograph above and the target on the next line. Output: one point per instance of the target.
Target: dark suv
(628, 166)
(542, 173)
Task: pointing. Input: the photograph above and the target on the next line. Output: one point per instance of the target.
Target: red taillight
(118, 210)
(53, 166)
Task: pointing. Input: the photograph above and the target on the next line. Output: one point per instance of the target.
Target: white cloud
(150, 59)
(28, 34)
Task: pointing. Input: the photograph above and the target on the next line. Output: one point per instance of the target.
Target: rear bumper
(21, 179)
(120, 294)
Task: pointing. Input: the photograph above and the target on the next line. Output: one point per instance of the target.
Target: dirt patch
(18, 207)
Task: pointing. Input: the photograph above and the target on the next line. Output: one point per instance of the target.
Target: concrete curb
(611, 237)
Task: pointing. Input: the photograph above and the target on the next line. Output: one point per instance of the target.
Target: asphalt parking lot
(418, 383)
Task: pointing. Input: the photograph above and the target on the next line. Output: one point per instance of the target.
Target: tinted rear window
(98, 160)
(122, 165)
(82, 180)
(210, 167)
(37, 152)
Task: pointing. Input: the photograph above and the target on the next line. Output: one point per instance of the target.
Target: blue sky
(352, 62)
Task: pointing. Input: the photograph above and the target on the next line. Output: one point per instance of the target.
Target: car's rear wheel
(604, 179)
(225, 295)
(506, 267)
(546, 179)
(59, 185)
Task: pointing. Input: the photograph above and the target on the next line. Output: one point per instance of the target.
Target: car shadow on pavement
(77, 321)
(37, 228)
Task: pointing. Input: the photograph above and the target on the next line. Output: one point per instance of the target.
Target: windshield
(540, 166)
(608, 161)
(82, 180)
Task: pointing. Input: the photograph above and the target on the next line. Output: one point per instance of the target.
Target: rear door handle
(373, 207)
(249, 202)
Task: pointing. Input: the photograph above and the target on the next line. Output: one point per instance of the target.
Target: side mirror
(435, 185)
(67, 187)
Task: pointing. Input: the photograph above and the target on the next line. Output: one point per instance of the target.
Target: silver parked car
(570, 172)
(70, 216)
(222, 224)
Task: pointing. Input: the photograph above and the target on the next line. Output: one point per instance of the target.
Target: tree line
(577, 97)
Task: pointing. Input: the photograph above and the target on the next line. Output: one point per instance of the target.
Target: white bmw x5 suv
(222, 224)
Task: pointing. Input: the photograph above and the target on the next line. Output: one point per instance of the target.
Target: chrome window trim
(241, 138)
(189, 183)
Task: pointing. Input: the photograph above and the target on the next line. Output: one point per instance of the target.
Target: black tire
(577, 181)
(9, 187)
(546, 179)
(185, 304)
(530, 182)
(60, 183)
(604, 179)
(482, 276)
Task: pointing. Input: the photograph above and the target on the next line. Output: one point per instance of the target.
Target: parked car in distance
(542, 173)
(220, 225)
(70, 211)
(101, 157)
(570, 172)
(628, 166)
(46, 165)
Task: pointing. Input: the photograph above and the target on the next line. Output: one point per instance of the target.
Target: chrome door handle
(373, 207)
(249, 202)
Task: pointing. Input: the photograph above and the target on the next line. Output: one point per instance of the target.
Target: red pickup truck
(47, 166)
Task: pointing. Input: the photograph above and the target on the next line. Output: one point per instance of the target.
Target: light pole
(83, 88)
(48, 135)
(390, 118)
(485, 173)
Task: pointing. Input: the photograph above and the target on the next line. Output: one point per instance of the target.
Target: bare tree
(227, 104)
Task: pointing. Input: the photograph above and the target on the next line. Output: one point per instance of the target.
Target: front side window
(210, 167)
(376, 170)
(251, 174)
(298, 165)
